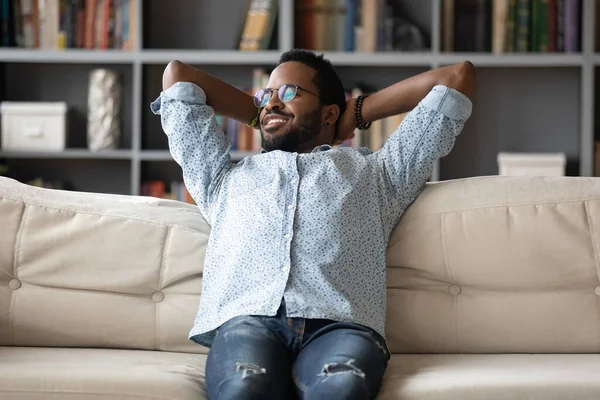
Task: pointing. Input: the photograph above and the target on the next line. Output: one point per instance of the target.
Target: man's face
(294, 125)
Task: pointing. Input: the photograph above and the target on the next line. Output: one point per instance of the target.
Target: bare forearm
(405, 95)
(225, 99)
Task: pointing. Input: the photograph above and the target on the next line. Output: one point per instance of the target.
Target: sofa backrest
(497, 265)
(480, 265)
(93, 270)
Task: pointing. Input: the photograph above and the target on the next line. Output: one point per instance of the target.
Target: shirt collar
(323, 147)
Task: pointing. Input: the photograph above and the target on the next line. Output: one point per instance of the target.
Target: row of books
(355, 25)
(158, 188)
(61, 24)
(50, 184)
(506, 26)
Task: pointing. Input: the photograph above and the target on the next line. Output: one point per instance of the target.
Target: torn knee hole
(249, 369)
(332, 369)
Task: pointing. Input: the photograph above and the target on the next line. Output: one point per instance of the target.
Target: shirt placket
(291, 197)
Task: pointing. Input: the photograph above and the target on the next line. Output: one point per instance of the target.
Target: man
(294, 291)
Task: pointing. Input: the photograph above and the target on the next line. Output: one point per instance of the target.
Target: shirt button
(293, 181)
(287, 236)
(290, 207)
(284, 267)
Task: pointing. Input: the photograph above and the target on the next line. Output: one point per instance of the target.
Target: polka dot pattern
(312, 227)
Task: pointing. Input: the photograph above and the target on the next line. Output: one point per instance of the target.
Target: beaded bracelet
(360, 124)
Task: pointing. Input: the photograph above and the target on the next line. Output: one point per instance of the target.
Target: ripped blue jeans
(255, 357)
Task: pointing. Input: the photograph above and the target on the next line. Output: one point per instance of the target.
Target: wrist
(367, 110)
(359, 113)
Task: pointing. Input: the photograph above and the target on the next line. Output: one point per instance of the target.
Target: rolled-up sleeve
(196, 142)
(426, 133)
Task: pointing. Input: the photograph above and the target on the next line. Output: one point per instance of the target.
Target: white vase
(104, 110)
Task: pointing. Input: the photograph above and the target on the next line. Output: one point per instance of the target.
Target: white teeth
(272, 121)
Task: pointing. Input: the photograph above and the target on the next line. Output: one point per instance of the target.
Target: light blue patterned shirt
(312, 228)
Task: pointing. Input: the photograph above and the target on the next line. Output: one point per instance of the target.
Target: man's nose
(274, 101)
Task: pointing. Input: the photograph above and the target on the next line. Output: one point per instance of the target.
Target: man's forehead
(292, 72)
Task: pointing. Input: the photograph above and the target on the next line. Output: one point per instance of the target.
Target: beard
(302, 130)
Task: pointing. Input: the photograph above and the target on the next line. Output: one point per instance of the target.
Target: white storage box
(33, 126)
(533, 164)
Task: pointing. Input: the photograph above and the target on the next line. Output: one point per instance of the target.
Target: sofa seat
(492, 376)
(100, 374)
(66, 373)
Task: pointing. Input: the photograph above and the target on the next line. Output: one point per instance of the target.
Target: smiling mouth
(273, 123)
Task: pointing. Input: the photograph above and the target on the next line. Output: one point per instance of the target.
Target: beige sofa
(493, 293)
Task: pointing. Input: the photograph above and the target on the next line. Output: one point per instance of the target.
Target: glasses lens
(287, 93)
(261, 98)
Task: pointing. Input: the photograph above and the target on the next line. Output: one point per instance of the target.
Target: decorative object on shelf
(104, 109)
(33, 126)
(533, 164)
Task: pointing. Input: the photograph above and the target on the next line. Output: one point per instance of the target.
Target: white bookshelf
(165, 155)
(527, 102)
(232, 57)
(70, 154)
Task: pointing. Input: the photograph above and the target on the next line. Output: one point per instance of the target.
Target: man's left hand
(346, 124)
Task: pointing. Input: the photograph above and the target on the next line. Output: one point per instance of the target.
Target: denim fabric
(257, 357)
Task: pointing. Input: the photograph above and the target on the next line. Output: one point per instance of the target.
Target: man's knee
(248, 381)
(344, 380)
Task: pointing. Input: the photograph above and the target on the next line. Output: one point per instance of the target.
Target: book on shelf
(355, 25)
(259, 26)
(158, 188)
(67, 24)
(509, 26)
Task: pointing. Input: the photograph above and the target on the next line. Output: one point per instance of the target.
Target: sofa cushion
(28, 373)
(492, 376)
(497, 265)
(96, 270)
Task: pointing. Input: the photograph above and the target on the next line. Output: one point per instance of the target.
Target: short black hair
(327, 81)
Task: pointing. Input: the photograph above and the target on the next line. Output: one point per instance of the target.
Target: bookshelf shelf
(208, 57)
(382, 59)
(234, 57)
(70, 154)
(596, 59)
(165, 155)
(78, 56)
(408, 59)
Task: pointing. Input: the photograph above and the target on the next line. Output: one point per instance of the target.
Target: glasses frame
(259, 97)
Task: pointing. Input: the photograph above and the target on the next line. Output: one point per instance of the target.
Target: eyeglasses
(286, 93)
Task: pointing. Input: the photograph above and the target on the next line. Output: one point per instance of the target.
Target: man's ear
(331, 114)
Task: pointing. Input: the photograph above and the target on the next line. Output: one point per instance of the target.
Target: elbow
(464, 79)
(173, 73)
